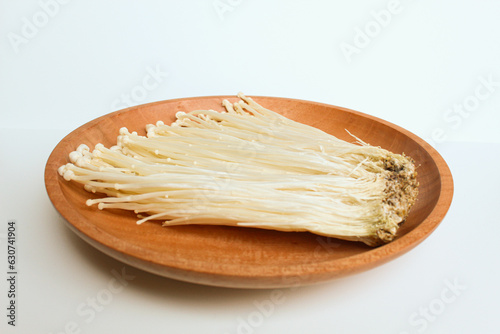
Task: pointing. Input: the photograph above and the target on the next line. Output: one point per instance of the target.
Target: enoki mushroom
(252, 167)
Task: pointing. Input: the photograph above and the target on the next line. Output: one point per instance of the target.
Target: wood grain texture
(246, 257)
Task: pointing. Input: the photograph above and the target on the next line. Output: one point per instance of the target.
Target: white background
(430, 67)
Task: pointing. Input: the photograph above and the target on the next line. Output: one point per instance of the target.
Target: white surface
(417, 71)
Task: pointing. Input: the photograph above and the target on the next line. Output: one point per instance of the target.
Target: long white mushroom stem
(249, 166)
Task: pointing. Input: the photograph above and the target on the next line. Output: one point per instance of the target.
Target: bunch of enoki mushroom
(249, 166)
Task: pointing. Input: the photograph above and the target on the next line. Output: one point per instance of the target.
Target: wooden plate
(246, 257)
